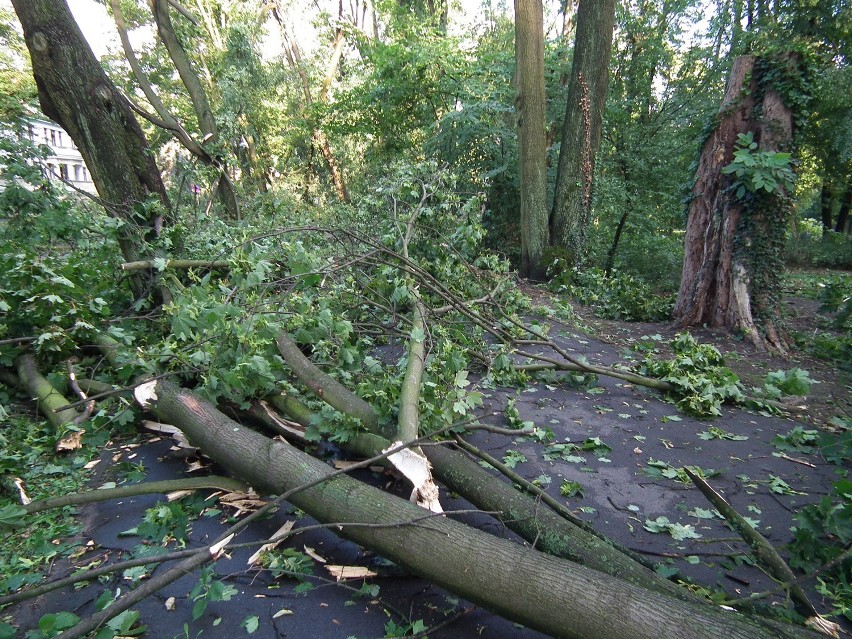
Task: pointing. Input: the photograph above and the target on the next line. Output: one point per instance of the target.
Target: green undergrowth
(822, 535)
(27, 453)
(620, 296)
(832, 338)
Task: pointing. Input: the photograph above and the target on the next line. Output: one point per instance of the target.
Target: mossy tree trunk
(200, 104)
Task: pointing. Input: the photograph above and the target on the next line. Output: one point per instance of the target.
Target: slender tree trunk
(200, 104)
(294, 59)
(628, 207)
(581, 132)
(75, 92)
(826, 203)
(843, 214)
(725, 282)
(530, 110)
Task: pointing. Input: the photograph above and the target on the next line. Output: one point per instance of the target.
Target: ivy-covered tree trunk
(75, 92)
(531, 123)
(734, 244)
(581, 131)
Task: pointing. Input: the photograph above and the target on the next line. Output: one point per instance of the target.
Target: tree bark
(554, 596)
(530, 111)
(581, 131)
(705, 289)
(843, 214)
(50, 401)
(825, 205)
(75, 92)
(200, 104)
(718, 283)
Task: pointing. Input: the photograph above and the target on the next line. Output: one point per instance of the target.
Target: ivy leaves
(757, 170)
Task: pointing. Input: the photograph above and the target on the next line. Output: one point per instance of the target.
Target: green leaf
(461, 379)
(12, 516)
(198, 608)
(251, 624)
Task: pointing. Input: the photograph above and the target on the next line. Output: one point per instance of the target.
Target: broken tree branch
(143, 265)
(763, 550)
(50, 401)
(144, 488)
(324, 385)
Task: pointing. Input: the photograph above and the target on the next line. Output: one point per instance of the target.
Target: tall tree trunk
(531, 122)
(726, 282)
(581, 132)
(843, 214)
(294, 59)
(825, 205)
(200, 104)
(75, 92)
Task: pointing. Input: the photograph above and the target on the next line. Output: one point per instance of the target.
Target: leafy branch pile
(702, 383)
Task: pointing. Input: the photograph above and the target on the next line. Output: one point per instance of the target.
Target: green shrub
(620, 296)
(829, 250)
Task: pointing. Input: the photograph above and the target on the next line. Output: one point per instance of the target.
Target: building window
(53, 137)
(63, 171)
(59, 138)
(46, 138)
(31, 132)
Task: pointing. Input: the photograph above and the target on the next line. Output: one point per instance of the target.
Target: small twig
(796, 461)
(90, 403)
(446, 622)
(17, 340)
(734, 603)
(145, 488)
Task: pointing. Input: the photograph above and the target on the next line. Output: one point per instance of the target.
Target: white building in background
(65, 161)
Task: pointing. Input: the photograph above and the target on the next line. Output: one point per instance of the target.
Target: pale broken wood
(416, 468)
(22, 493)
(350, 572)
(242, 502)
(276, 539)
(310, 552)
(71, 441)
(172, 431)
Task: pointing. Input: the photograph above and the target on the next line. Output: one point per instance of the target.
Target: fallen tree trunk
(554, 596)
(539, 525)
(50, 401)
